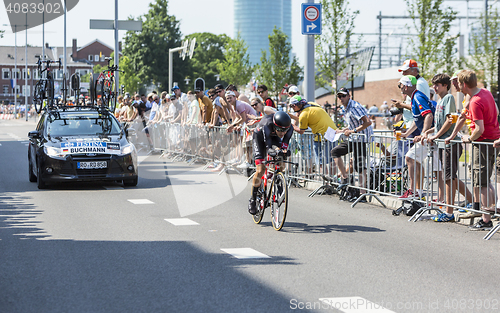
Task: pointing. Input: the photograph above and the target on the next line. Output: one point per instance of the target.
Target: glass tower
(255, 21)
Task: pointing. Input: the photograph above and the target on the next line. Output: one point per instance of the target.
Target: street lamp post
(352, 81)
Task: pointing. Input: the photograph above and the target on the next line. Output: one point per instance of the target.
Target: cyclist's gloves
(272, 152)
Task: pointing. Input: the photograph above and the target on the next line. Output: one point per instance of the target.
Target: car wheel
(131, 182)
(41, 184)
(32, 175)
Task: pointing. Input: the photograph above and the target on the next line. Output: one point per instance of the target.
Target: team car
(80, 144)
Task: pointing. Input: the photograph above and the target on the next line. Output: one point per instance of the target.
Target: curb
(393, 203)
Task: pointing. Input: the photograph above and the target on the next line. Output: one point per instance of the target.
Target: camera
(396, 111)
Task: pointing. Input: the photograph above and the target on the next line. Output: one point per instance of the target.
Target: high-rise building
(255, 21)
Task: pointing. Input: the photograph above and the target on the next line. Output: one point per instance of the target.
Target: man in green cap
(423, 115)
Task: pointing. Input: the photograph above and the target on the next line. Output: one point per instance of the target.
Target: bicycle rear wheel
(111, 95)
(38, 96)
(261, 204)
(279, 201)
(97, 91)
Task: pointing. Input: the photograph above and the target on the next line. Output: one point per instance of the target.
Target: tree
(483, 50)
(333, 44)
(433, 26)
(148, 49)
(96, 69)
(207, 54)
(279, 69)
(235, 68)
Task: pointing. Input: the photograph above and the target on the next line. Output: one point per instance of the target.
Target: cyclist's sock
(254, 192)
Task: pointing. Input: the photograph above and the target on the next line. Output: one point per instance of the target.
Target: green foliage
(432, 24)
(333, 43)
(207, 54)
(483, 50)
(148, 49)
(235, 68)
(97, 69)
(127, 75)
(279, 69)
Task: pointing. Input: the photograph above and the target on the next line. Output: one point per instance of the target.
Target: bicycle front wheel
(261, 204)
(279, 201)
(50, 92)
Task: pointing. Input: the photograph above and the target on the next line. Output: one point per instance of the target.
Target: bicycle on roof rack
(44, 88)
(104, 87)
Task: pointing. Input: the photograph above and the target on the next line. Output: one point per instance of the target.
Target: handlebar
(47, 62)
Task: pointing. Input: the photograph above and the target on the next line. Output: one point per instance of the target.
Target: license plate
(91, 165)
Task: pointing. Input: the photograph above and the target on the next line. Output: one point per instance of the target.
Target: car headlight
(127, 149)
(53, 152)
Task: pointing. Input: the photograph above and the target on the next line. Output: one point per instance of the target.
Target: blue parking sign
(311, 19)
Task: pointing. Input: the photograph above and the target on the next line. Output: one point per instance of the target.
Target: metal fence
(446, 175)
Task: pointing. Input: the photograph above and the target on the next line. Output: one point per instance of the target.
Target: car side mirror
(34, 134)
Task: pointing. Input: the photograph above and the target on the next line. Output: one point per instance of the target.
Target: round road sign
(311, 13)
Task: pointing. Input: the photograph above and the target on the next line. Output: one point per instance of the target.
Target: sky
(215, 16)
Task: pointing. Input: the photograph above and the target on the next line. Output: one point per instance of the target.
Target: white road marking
(181, 221)
(354, 305)
(246, 253)
(140, 201)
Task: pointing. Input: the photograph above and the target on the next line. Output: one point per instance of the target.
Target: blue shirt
(420, 107)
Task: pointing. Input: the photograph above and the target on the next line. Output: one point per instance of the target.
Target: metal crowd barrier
(382, 170)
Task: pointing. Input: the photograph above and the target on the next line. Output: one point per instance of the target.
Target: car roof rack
(65, 108)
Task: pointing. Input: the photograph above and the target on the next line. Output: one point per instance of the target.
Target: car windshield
(82, 124)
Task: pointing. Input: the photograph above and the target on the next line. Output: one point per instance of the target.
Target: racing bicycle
(104, 87)
(44, 88)
(273, 191)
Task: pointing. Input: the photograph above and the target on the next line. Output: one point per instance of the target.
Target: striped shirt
(353, 115)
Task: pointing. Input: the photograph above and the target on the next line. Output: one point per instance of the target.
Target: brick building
(78, 60)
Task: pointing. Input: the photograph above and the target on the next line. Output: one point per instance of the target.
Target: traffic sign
(311, 19)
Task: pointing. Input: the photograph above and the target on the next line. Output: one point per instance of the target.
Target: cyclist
(273, 130)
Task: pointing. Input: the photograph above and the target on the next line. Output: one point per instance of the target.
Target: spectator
(373, 110)
(194, 116)
(205, 105)
(182, 102)
(244, 111)
(221, 99)
(410, 67)
(384, 107)
(423, 113)
(484, 124)
(293, 91)
(449, 156)
(314, 117)
(357, 120)
(264, 94)
(239, 96)
(155, 106)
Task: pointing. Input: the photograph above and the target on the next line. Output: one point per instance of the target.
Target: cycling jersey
(265, 137)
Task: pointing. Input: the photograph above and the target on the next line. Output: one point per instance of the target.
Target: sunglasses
(260, 91)
(292, 93)
(219, 91)
(212, 95)
(255, 104)
(280, 129)
(341, 96)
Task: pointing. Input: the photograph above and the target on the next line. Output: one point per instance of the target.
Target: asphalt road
(105, 248)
